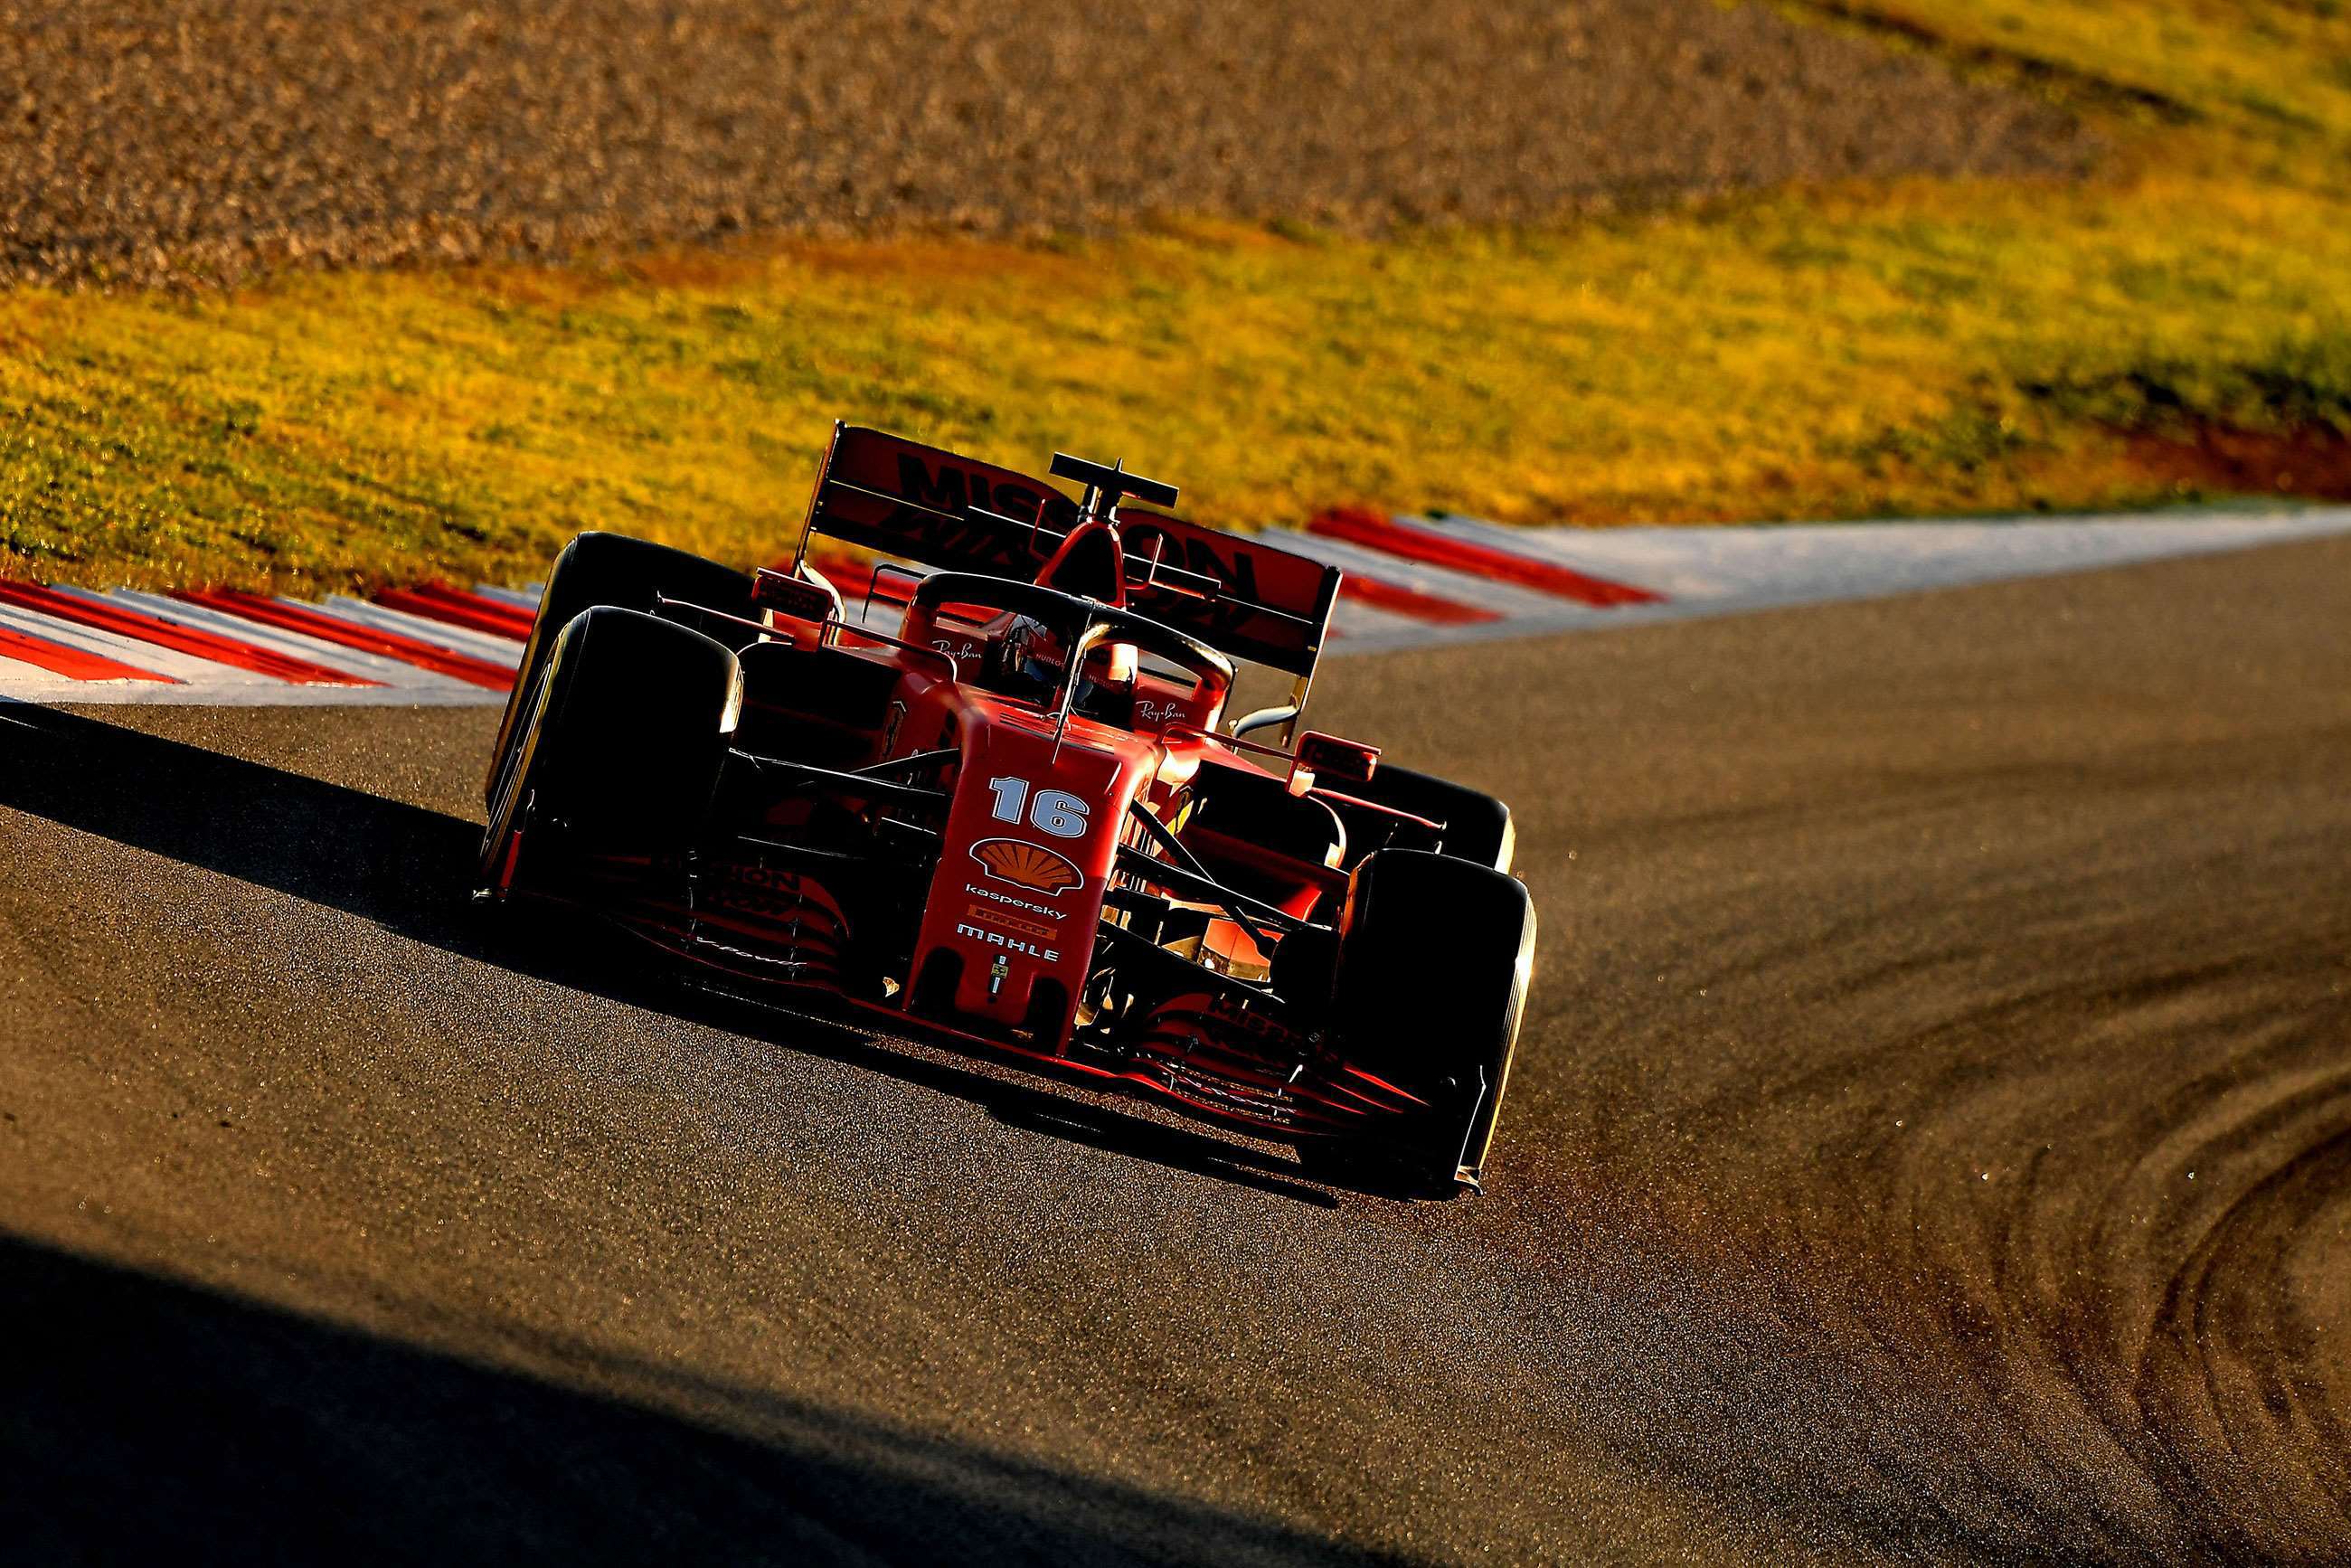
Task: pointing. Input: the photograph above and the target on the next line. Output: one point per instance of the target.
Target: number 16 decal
(1054, 811)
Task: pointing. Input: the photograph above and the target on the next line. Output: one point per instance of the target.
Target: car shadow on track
(147, 1420)
(408, 869)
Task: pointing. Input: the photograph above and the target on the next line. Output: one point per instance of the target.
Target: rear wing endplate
(1247, 599)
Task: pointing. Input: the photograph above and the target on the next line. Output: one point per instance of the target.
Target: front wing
(1210, 1045)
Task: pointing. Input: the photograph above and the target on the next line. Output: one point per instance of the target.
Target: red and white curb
(1412, 581)
(443, 646)
(1687, 573)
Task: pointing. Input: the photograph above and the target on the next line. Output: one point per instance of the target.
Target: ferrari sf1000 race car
(1020, 817)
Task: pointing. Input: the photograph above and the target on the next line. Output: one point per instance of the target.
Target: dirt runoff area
(150, 140)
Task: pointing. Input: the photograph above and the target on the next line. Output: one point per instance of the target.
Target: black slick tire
(621, 744)
(1435, 957)
(609, 568)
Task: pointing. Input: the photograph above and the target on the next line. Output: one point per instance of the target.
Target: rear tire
(1435, 956)
(621, 744)
(609, 568)
(1478, 827)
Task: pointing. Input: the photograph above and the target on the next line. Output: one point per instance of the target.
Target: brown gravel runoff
(147, 140)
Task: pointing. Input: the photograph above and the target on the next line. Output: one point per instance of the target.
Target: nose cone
(1009, 929)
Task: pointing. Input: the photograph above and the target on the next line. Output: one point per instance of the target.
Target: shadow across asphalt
(408, 870)
(148, 1421)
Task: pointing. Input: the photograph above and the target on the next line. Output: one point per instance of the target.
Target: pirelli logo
(1004, 920)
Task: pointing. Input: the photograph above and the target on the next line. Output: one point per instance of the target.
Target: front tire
(1478, 827)
(1435, 957)
(621, 746)
(609, 569)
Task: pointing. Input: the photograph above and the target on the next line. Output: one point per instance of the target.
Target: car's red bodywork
(910, 826)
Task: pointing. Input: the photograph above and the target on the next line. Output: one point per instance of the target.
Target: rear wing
(1244, 599)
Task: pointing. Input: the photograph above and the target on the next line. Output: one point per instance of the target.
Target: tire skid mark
(2142, 1323)
(2223, 1370)
(2032, 1325)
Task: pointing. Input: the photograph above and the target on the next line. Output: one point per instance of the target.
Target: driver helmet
(1032, 658)
(1107, 685)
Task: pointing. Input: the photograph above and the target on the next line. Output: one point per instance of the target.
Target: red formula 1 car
(1020, 819)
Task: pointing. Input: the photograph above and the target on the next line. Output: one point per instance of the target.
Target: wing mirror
(795, 597)
(1326, 760)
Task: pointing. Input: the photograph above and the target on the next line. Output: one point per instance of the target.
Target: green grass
(1922, 347)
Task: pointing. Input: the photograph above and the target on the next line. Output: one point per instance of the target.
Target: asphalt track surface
(1930, 1145)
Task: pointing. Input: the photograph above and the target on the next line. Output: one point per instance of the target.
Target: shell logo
(1033, 866)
